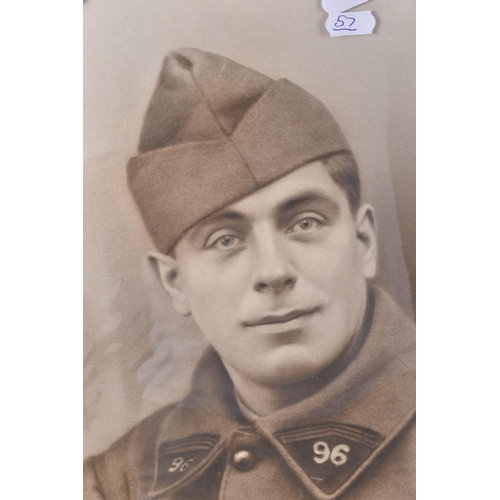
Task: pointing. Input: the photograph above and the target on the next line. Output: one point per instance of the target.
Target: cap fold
(216, 131)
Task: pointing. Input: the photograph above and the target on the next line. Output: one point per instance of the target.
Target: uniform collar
(367, 405)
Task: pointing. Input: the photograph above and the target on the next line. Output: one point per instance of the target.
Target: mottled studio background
(138, 353)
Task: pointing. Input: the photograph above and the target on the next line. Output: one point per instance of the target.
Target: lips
(280, 317)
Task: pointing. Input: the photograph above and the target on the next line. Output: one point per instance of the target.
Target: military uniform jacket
(353, 439)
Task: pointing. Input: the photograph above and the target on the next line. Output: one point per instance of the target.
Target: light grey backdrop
(138, 352)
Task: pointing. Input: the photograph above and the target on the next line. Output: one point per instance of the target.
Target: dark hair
(343, 169)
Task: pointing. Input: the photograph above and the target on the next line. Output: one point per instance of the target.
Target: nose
(273, 273)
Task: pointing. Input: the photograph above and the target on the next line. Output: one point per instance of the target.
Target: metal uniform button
(243, 460)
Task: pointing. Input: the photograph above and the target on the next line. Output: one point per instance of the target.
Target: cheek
(214, 290)
(333, 266)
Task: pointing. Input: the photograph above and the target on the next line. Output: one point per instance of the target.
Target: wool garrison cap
(216, 131)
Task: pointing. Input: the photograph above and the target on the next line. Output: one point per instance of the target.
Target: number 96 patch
(330, 453)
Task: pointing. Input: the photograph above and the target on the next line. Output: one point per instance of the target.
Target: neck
(263, 400)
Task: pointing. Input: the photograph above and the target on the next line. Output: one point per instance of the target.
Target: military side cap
(216, 131)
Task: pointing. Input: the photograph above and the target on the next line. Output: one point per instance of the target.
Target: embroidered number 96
(180, 464)
(337, 455)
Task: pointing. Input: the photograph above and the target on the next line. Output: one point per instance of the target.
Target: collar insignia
(329, 453)
(180, 461)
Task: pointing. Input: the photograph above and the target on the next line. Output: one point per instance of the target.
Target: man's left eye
(305, 225)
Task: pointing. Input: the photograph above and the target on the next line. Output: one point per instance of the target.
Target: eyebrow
(229, 215)
(216, 218)
(305, 198)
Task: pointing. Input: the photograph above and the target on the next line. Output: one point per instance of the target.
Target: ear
(169, 276)
(367, 240)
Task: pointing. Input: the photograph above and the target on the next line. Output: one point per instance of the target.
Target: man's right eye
(224, 242)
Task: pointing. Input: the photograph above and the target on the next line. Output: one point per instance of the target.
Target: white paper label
(340, 23)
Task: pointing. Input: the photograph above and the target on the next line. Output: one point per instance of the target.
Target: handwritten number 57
(340, 25)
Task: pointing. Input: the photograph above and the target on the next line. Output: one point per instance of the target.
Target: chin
(289, 370)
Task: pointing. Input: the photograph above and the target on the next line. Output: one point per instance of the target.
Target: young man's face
(277, 280)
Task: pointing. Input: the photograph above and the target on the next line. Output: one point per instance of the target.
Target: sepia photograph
(249, 250)
(209, 250)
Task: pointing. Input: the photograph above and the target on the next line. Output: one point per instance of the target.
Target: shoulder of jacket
(108, 474)
(145, 430)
